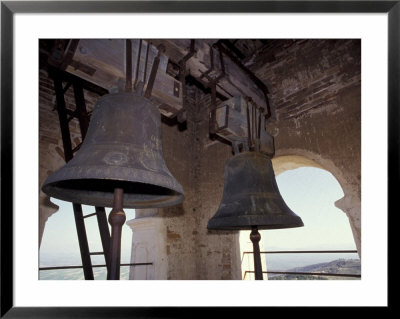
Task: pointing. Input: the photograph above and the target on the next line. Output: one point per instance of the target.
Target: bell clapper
(255, 237)
(116, 219)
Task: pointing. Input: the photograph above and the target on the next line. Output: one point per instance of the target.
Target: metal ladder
(65, 116)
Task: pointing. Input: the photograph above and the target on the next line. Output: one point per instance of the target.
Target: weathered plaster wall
(315, 89)
(218, 254)
(148, 246)
(194, 252)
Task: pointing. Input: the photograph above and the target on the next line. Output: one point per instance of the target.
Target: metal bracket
(212, 83)
(220, 128)
(176, 89)
(153, 73)
(181, 114)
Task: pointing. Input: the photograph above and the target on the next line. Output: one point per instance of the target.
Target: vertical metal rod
(211, 59)
(128, 65)
(254, 122)
(152, 77)
(255, 238)
(235, 145)
(138, 63)
(212, 122)
(182, 79)
(104, 235)
(81, 108)
(182, 76)
(83, 242)
(248, 126)
(145, 62)
(116, 219)
(62, 116)
(258, 130)
(221, 60)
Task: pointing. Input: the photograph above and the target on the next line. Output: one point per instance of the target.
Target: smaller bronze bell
(251, 196)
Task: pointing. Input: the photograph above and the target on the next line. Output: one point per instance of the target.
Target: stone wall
(193, 251)
(315, 92)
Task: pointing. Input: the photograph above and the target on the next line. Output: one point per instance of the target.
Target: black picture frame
(9, 8)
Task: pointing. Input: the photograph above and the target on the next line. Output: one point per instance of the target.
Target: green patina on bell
(251, 196)
(122, 149)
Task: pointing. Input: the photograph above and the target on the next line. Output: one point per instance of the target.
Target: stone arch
(350, 203)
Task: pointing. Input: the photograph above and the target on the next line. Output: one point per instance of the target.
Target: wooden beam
(232, 124)
(237, 81)
(102, 61)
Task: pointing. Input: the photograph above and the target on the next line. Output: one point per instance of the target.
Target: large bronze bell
(251, 196)
(122, 149)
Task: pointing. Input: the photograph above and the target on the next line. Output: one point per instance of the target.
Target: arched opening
(325, 244)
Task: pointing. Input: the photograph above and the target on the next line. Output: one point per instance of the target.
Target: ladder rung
(95, 213)
(97, 253)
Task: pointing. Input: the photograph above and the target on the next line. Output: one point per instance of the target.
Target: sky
(60, 246)
(310, 193)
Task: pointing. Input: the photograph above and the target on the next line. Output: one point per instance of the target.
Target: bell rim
(242, 222)
(105, 199)
(117, 174)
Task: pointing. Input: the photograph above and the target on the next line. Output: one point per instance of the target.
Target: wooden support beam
(102, 62)
(232, 124)
(237, 80)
